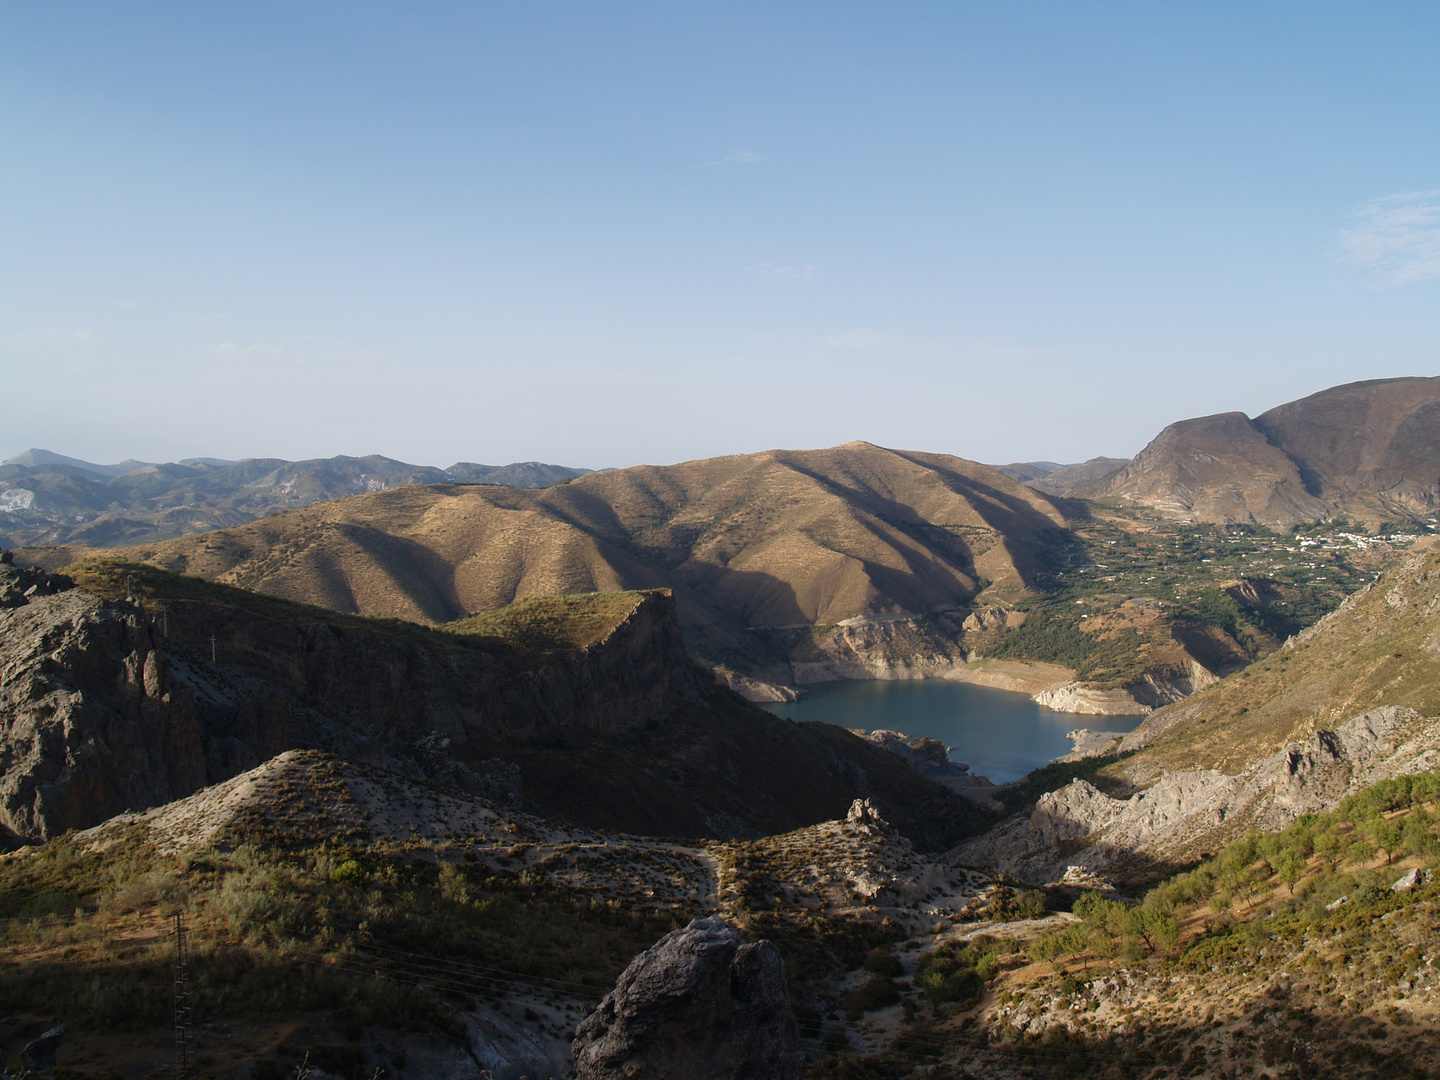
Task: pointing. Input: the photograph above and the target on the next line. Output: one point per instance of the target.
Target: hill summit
(1366, 450)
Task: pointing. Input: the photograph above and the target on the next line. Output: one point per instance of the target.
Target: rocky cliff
(130, 702)
(381, 686)
(114, 705)
(1186, 814)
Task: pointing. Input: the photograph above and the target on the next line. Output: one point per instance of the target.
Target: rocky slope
(126, 703)
(1350, 701)
(1186, 815)
(47, 498)
(1377, 648)
(1215, 468)
(1341, 1001)
(1368, 451)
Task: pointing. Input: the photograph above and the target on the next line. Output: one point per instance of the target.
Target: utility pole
(182, 1003)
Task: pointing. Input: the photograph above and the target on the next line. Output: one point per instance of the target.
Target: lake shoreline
(997, 733)
(1052, 685)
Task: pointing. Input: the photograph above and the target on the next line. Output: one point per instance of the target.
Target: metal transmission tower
(182, 1003)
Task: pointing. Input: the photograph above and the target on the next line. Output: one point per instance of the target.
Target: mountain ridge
(775, 540)
(48, 498)
(1366, 450)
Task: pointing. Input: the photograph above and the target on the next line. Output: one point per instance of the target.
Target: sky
(606, 234)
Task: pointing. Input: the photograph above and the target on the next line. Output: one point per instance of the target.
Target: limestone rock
(863, 812)
(696, 1005)
(1186, 813)
(1412, 880)
(1088, 700)
(754, 689)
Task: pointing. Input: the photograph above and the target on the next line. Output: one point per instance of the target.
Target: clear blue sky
(604, 234)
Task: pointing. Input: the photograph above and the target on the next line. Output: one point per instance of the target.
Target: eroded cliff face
(381, 686)
(90, 721)
(108, 706)
(1186, 814)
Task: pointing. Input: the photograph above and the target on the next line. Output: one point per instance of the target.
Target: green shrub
(874, 992)
(349, 872)
(880, 962)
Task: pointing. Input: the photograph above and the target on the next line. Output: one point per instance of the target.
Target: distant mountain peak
(36, 457)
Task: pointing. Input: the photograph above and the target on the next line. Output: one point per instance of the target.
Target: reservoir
(998, 733)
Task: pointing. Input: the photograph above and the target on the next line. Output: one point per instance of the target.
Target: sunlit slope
(782, 538)
(1381, 647)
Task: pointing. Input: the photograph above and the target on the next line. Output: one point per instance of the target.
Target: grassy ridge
(532, 628)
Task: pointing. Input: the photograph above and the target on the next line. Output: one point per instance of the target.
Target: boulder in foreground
(696, 1005)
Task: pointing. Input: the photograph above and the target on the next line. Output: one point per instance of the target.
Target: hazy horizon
(652, 233)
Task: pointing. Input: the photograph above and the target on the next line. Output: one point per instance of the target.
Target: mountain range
(48, 498)
(750, 544)
(1367, 452)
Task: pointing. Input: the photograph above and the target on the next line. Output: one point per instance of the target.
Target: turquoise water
(999, 734)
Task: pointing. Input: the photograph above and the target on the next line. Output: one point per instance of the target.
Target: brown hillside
(1215, 468)
(1367, 450)
(782, 538)
(1367, 446)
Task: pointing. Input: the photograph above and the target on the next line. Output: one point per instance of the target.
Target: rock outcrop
(1090, 701)
(108, 706)
(1186, 814)
(39, 1053)
(696, 1005)
(753, 689)
(91, 722)
(19, 584)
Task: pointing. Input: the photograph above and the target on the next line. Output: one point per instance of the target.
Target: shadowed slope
(1365, 447)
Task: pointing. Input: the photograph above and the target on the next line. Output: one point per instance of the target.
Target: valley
(426, 771)
(794, 568)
